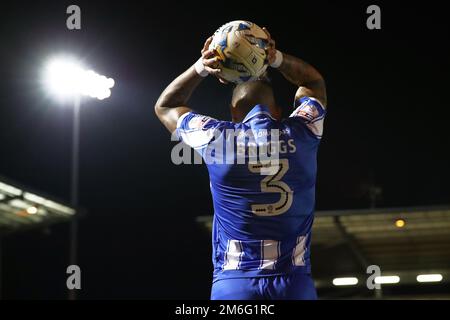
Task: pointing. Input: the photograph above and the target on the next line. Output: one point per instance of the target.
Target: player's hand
(271, 49)
(211, 60)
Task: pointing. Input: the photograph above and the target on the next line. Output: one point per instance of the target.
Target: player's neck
(238, 114)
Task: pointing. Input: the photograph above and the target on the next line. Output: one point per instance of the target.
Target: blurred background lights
(429, 278)
(387, 279)
(400, 223)
(350, 281)
(32, 210)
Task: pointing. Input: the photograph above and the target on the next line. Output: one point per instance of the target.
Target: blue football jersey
(263, 210)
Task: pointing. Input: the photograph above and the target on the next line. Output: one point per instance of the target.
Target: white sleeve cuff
(200, 68)
(278, 60)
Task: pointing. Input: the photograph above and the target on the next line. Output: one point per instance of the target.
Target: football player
(263, 211)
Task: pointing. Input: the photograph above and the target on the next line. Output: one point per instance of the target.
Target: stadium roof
(22, 209)
(402, 241)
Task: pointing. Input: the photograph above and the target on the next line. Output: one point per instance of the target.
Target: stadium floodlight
(350, 281)
(67, 77)
(387, 279)
(429, 278)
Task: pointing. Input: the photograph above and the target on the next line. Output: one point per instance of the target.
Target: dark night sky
(386, 125)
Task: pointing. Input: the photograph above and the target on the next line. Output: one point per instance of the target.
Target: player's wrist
(278, 59)
(200, 68)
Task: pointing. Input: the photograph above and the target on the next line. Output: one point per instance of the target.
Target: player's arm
(173, 101)
(309, 81)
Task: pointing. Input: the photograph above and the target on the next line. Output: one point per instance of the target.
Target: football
(241, 48)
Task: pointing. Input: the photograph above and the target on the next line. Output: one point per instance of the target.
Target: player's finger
(208, 54)
(267, 32)
(212, 70)
(211, 62)
(271, 43)
(222, 80)
(207, 43)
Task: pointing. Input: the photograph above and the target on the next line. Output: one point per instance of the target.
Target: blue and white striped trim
(238, 254)
(233, 255)
(298, 255)
(270, 253)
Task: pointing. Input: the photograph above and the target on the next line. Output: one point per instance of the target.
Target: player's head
(248, 94)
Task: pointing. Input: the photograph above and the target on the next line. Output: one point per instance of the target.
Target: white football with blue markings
(241, 48)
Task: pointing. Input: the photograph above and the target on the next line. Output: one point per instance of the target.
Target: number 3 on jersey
(274, 171)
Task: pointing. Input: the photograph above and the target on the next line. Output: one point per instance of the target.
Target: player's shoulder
(197, 130)
(193, 121)
(309, 113)
(308, 108)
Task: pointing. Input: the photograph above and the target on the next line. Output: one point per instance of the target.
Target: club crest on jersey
(199, 122)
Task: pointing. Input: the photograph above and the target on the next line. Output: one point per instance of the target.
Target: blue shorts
(285, 287)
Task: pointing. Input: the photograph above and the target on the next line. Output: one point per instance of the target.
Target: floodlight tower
(66, 78)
